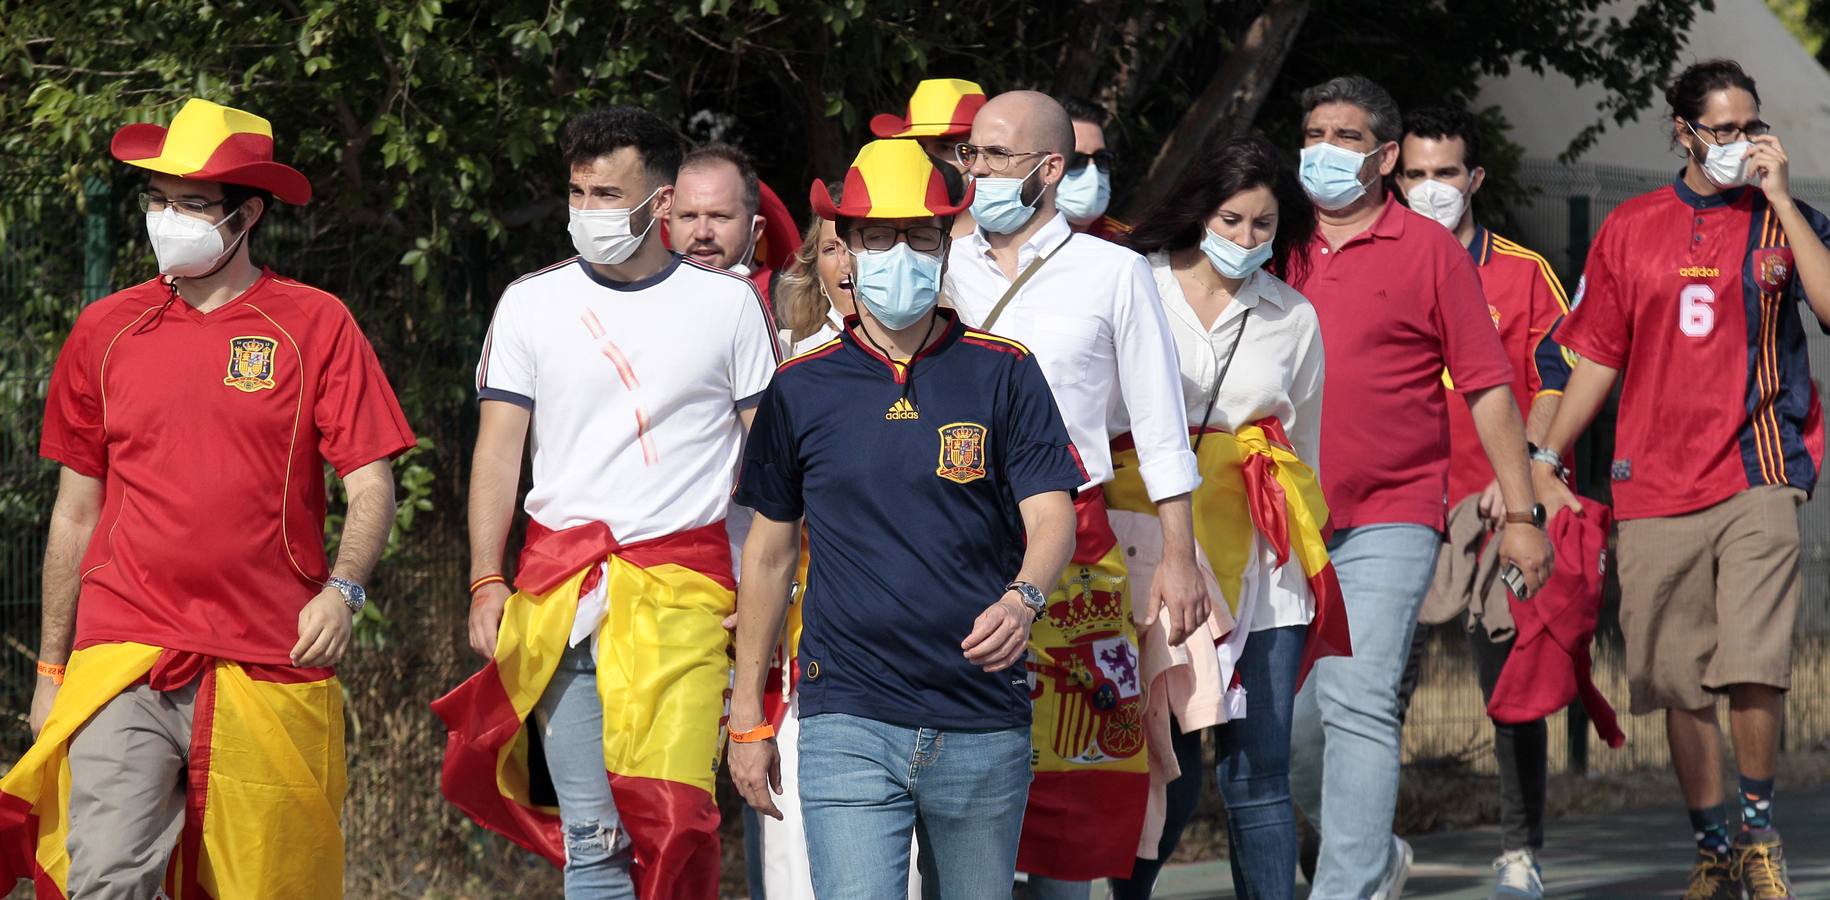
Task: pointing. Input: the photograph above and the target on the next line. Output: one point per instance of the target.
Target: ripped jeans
(571, 718)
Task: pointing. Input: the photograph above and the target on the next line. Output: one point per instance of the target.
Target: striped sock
(1756, 803)
(1711, 828)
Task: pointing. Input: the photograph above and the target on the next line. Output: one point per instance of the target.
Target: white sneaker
(1520, 876)
(1391, 887)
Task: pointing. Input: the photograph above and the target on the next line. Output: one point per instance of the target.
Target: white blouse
(1277, 371)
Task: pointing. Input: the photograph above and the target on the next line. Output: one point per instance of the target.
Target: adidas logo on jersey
(901, 409)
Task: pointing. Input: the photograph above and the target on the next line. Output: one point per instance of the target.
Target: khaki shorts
(1709, 599)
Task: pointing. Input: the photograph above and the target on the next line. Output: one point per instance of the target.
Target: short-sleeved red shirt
(1695, 300)
(210, 433)
(1525, 301)
(1398, 304)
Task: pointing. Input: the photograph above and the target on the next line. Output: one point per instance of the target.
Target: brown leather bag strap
(1022, 279)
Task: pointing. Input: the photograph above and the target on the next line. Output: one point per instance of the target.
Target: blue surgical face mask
(898, 285)
(997, 203)
(1230, 259)
(1084, 193)
(1331, 175)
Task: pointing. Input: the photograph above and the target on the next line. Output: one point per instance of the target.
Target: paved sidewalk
(1637, 853)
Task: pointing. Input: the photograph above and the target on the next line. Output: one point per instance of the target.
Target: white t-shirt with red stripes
(634, 389)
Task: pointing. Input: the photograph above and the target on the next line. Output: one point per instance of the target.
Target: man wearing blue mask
(1399, 303)
(935, 478)
(1089, 308)
(1086, 190)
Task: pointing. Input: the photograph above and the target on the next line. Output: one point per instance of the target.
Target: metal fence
(1447, 720)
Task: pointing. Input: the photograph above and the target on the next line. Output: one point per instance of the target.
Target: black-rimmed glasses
(925, 238)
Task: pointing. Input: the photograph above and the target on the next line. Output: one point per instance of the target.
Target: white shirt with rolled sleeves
(634, 389)
(1277, 372)
(1092, 317)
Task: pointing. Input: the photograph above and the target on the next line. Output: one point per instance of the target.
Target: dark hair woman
(1251, 360)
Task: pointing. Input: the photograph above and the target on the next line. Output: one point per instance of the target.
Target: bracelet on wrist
(53, 671)
(486, 581)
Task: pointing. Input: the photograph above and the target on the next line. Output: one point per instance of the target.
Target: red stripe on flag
(480, 721)
(1080, 826)
(673, 827)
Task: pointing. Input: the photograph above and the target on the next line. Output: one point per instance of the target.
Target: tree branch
(1228, 104)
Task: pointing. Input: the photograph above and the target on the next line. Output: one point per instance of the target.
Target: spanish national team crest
(962, 452)
(1773, 268)
(251, 363)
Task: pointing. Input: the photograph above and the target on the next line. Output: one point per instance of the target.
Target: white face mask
(1439, 201)
(603, 236)
(1725, 165)
(188, 247)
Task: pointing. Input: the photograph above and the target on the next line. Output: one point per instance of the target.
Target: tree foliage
(428, 126)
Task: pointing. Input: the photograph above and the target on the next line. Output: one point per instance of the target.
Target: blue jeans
(571, 717)
(1345, 735)
(1254, 775)
(868, 786)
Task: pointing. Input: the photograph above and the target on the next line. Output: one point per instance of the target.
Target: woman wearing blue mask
(1251, 360)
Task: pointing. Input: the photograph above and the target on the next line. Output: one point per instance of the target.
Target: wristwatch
(1031, 596)
(1535, 518)
(354, 596)
(1549, 458)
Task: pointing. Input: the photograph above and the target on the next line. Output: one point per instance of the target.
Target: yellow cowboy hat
(890, 179)
(211, 142)
(940, 107)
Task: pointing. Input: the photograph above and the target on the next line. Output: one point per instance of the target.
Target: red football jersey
(1526, 301)
(1694, 299)
(210, 433)
(1398, 305)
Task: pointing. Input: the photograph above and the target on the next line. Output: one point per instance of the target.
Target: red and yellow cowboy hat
(890, 179)
(211, 142)
(940, 107)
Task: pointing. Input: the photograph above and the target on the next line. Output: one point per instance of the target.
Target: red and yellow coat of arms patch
(962, 452)
(251, 363)
(1773, 268)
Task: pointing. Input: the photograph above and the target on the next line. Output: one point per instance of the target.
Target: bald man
(1089, 310)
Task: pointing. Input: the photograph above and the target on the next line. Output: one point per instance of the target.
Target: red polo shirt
(210, 433)
(1399, 303)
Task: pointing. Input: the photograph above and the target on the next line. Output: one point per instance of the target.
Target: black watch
(1031, 596)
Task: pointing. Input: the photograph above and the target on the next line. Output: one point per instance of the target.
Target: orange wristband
(55, 672)
(486, 581)
(761, 732)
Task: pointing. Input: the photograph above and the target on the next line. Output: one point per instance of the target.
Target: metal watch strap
(1549, 458)
(355, 596)
(1031, 596)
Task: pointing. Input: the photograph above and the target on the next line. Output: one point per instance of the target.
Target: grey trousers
(127, 776)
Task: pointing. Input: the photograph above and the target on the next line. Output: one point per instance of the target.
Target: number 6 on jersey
(1696, 310)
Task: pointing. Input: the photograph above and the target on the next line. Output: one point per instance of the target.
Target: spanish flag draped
(662, 671)
(264, 788)
(1086, 803)
(1253, 483)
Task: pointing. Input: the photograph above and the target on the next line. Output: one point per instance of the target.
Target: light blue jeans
(868, 786)
(571, 718)
(1344, 746)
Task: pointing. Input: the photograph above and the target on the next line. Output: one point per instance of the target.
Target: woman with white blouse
(1251, 363)
(813, 296)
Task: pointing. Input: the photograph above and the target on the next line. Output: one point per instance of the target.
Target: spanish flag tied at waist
(264, 783)
(1252, 483)
(1086, 802)
(662, 672)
